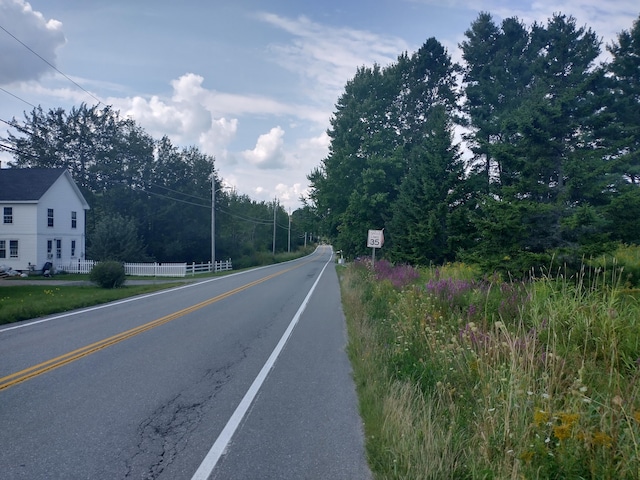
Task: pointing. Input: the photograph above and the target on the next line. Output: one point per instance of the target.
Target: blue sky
(253, 83)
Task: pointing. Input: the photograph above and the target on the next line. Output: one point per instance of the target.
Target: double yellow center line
(39, 369)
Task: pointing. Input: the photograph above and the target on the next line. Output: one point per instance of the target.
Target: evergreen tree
(558, 159)
(380, 121)
(497, 76)
(624, 133)
(540, 137)
(421, 223)
(359, 132)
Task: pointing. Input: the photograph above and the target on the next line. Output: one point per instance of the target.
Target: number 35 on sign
(375, 239)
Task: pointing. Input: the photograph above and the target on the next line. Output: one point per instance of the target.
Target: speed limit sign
(375, 239)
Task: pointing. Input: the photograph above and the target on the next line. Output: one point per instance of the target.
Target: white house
(42, 218)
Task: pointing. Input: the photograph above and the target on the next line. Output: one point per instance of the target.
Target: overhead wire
(171, 198)
(222, 210)
(17, 127)
(11, 149)
(8, 148)
(257, 221)
(247, 219)
(50, 64)
(16, 96)
(180, 193)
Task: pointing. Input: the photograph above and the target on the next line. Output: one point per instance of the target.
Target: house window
(8, 215)
(49, 248)
(73, 248)
(74, 220)
(50, 217)
(58, 248)
(13, 248)
(3, 249)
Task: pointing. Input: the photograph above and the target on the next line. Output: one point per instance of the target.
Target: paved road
(238, 377)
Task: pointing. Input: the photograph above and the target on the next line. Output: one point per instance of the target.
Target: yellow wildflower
(540, 417)
(568, 419)
(562, 432)
(601, 438)
(527, 456)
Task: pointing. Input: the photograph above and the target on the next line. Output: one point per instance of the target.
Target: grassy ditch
(469, 378)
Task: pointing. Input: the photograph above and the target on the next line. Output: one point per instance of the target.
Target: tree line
(149, 199)
(552, 167)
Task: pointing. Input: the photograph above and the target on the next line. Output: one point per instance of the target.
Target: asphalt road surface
(238, 377)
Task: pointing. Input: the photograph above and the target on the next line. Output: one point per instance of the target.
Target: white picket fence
(153, 269)
(221, 266)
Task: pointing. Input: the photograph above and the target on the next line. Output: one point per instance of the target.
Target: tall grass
(467, 377)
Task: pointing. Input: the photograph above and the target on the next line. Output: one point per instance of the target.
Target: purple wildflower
(398, 275)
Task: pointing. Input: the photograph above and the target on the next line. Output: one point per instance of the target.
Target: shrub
(487, 379)
(624, 262)
(108, 274)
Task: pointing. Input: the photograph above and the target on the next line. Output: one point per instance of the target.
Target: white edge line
(222, 442)
(136, 298)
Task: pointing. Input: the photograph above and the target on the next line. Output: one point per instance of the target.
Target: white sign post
(375, 239)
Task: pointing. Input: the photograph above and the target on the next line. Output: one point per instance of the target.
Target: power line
(50, 64)
(8, 148)
(172, 198)
(247, 219)
(222, 210)
(18, 127)
(15, 96)
(15, 151)
(181, 193)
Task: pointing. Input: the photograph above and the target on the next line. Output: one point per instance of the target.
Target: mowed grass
(466, 377)
(24, 302)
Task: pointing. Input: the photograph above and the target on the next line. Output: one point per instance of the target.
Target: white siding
(23, 230)
(30, 227)
(62, 199)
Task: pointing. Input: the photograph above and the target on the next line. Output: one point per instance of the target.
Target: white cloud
(183, 117)
(23, 24)
(188, 88)
(327, 57)
(309, 151)
(268, 152)
(215, 140)
(197, 115)
(607, 19)
(290, 194)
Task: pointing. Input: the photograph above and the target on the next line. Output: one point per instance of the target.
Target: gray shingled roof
(26, 184)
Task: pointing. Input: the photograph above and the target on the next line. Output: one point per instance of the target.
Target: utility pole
(213, 220)
(289, 239)
(274, 226)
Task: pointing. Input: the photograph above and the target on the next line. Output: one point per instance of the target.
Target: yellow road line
(57, 362)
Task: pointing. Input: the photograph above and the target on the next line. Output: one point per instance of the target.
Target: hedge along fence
(152, 269)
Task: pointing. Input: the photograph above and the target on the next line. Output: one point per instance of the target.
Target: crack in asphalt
(165, 433)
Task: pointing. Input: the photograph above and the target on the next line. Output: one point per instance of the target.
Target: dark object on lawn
(46, 270)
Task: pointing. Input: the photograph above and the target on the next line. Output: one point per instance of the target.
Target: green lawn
(31, 301)
(22, 302)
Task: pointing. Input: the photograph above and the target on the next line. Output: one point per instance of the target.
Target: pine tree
(421, 224)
